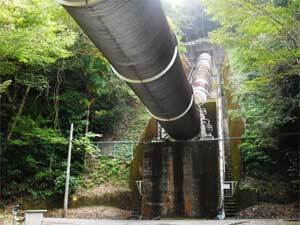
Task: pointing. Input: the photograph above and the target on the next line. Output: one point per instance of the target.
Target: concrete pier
(181, 179)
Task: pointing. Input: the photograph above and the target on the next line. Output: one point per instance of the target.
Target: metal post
(15, 210)
(132, 146)
(221, 142)
(68, 172)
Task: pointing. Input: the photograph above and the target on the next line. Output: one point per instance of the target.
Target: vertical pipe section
(135, 37)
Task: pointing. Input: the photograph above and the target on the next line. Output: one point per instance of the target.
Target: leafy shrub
(112, 170)
(60, 182)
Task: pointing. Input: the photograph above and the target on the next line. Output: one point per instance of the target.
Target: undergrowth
(108, 170)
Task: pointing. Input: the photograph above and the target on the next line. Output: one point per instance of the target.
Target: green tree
(31, 37)
(51, 75)
(262, 40)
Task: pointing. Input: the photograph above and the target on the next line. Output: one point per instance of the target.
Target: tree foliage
(262, 40)
(191, 20)
(51, 75)
(33, 32)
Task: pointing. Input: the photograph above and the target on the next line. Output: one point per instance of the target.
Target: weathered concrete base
(34, 217)
(181, 179)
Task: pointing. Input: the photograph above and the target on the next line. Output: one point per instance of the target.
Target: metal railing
(139, 186)
(229, 188)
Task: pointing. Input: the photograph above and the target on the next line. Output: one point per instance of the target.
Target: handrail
(231, 188)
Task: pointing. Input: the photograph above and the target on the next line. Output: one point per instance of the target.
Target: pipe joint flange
(152, 78)
(176, 117)
(77, 3)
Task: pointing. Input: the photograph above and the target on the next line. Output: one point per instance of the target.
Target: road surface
(59, 221)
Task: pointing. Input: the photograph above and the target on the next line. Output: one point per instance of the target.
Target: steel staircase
(229, 200)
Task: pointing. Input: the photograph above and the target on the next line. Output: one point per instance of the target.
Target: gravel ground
(95, 212)
(102, 189)
(290, 211)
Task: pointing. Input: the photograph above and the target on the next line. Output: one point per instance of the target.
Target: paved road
(56, 221)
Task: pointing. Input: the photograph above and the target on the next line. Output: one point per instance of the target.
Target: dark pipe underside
(135, 37)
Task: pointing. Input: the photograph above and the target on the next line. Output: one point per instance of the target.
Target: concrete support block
(181, 179)
(34, 217)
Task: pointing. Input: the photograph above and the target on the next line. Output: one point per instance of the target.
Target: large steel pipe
(201, 79)
(135, 37)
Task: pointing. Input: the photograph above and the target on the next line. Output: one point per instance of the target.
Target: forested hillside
(51, 76)
(262, 39)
